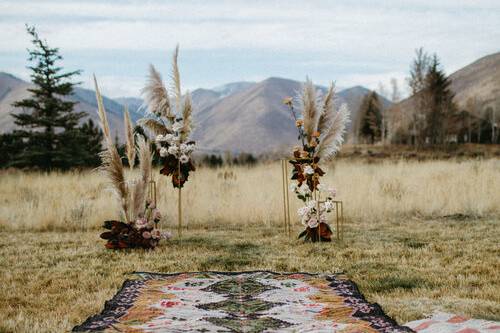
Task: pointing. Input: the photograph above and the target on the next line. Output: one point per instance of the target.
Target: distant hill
(240, 116)
(480, 79)
(255, 120)
(14, 89)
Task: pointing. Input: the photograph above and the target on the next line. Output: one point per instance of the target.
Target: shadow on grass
(397, 282)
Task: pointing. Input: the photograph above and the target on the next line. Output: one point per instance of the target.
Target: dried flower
(156, 234)
(146, 234)
(141, 223)
(176, 126)
(288, 101)
(156, 215)
(304, 154)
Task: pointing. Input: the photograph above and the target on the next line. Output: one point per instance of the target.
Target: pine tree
(370, 127)
(440, 103)
(48, 124)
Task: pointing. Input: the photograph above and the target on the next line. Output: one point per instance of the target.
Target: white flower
(312, 223)
(322, 218)
(304, 189)
(168, 137)
(311, 204)
(328, 205)
(308, 170)
(321, 187)
(160, 138)
(293, 187)
(172, 150)
(165, 235)
(176, 126)
(183, 147)
(141, 223)
(332, 192)
(163, 151)
(302, 211)
(190, 148)
(183, 159)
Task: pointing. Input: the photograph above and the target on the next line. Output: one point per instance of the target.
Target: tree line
(430, 116)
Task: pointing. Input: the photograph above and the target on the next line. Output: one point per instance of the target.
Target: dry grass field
(420, 237)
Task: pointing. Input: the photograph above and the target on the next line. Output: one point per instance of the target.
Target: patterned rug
(442, 322)
(249, 302)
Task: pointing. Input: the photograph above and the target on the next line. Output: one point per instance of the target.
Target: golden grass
(398, 247)
(81, 201)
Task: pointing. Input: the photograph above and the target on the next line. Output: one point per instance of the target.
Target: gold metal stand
(339, 221)
(286, 201)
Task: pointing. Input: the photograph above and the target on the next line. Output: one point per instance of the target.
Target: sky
(351, 43)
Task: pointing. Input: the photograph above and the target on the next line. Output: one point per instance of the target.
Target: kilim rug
(240, 302)
(442, 322)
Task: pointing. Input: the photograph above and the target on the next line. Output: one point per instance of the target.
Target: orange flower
(304, 154)
(299, 123)
(316, 134)
(296, 148)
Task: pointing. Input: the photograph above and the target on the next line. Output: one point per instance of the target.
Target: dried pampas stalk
(155, 126)
(328, 112)
(102, 115)
(332, 140)
(156, 95)
(138, 195)
(310, 112)
(186, 117)
(176, 78)
(129, 135)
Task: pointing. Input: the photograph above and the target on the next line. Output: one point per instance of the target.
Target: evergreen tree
(441, 108)
(49, 132)
(370, 127)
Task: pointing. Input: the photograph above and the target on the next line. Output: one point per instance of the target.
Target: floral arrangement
(140, 214)
(321, 129)
(143, 232)
(170, 124)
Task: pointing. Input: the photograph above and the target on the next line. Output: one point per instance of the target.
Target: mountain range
(237, 117)
(250, 116)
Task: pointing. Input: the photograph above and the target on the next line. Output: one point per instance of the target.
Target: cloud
(368, 38)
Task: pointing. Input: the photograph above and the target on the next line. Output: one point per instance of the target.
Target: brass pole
(337, 213)
(317, 211)
(342, 220)
(284, 191)
(179, 203)
(287, 199)
(179, 212)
